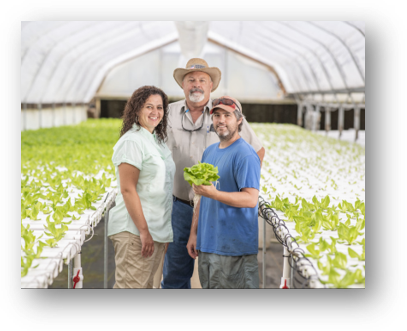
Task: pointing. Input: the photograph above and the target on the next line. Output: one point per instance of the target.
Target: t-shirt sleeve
(129, 152)
(249, 136)
(247, 172)
(204, 155)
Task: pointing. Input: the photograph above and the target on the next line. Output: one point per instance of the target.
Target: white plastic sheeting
(308, 56)
(65, 62)
(246, 79)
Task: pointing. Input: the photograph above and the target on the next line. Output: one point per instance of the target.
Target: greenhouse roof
(66, 62)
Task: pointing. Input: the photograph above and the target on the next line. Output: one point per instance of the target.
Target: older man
(189, 133)
(226, 235)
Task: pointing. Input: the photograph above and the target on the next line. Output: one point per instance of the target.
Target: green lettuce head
(201, 174)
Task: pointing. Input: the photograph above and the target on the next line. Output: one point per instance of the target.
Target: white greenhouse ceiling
(66, 62)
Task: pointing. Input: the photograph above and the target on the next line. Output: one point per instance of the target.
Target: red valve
(285, 284)
(76, 279)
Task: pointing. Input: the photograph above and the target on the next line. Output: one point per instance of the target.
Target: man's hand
(191, 246)
(208, 191)
(147, 244)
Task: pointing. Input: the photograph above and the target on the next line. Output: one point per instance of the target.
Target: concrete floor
(92, 264)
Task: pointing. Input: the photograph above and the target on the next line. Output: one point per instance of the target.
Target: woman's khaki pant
(133, 270)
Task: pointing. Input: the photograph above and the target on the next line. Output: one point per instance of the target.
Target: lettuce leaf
(201, 174)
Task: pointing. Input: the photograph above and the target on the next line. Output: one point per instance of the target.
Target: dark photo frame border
(265, 307)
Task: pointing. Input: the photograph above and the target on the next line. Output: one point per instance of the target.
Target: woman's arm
(128, 182)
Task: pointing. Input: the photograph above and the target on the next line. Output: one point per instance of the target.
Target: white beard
(196, 98)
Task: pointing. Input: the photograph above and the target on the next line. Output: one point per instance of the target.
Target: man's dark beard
(228, 137)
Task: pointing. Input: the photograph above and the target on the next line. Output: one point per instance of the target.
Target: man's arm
(246, 198)
(191, 246)
(248, 135)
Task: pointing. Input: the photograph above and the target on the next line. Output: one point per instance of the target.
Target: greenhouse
(301, 87)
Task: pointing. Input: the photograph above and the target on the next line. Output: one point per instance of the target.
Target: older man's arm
(261, 152)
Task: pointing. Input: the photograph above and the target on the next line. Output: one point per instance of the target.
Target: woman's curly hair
(136, 102)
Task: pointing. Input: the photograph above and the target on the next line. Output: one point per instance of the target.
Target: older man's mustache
(196, 90)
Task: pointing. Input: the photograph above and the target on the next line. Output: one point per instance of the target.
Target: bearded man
(226, 235)
(190, 132)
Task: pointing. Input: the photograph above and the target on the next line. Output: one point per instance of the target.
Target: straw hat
(197, 64)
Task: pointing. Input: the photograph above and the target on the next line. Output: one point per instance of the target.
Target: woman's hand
(208, 191)
(191, 246)
(147, 244)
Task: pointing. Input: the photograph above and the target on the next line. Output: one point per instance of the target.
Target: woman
(140, 223)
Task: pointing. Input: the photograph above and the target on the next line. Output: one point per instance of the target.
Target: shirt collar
(145, 132)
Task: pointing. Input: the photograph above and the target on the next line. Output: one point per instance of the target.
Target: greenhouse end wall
(33, 119)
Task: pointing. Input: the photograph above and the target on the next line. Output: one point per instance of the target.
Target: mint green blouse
(141, 149)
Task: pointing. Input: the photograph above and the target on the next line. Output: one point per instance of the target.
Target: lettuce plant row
(65, 172)
(317, 186)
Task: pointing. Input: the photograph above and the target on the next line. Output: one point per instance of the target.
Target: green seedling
(327, 269)
(26, 263)
(359, 278)
(53, 231)
(341, 282)
(340, 261)
(305, 233)
(314, 253)
(348, 233)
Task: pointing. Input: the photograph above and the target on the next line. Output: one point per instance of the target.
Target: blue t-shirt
(223, 229)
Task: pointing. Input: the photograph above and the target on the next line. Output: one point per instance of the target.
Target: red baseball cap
(226, 103)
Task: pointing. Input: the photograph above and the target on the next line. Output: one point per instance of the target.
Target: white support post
(106, 252)
(53, 115)
(64, 114)
(77, 272)
(327, 120)
(25, 115)
(286, 280)
(70, 274)
(39, 115)
(98, 107)
(356, 122)
(264, 253)
(292, 273)
(299, 114)
(341, 120)
(316, 118)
